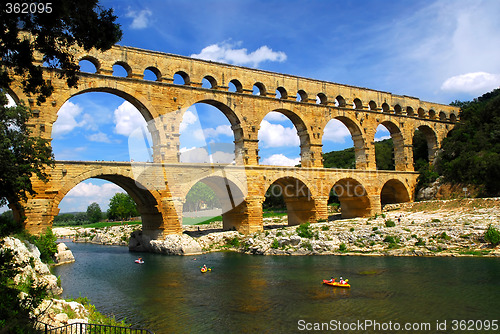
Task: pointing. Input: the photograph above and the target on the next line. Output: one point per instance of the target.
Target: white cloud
(276, 116)
(383, 138)
(226, 52)
(188, 119)
(335, 131)
(127, 119)
(474, 83)
(276, 135)
(99, 137)
(66, 119)
(85, 193)
(11, 102)
(141, 18)
(200, 155)
(279, 160)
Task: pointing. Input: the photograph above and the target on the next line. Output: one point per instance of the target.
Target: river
(281, 294)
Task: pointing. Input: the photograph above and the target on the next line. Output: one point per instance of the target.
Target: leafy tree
(200, 194)
(471, 151)
(21, 154)
(384, 154)
(122, 206)
(52, 32)
(94, 213)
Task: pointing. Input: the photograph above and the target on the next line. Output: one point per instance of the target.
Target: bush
(325, 228)
(234, 242)
(275, 244)
(46, 244)
(420, 242)
(390, 223)
(342, 247)
(390, 239)
(304, 231)
(492, 235)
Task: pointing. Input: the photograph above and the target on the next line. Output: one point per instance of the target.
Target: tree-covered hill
(471, 152)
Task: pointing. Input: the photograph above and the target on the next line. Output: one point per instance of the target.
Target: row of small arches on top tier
(122, 69)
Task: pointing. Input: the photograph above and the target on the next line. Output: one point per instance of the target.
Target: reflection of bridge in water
(160, 188)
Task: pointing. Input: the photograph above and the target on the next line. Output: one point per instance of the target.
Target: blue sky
(437, 51)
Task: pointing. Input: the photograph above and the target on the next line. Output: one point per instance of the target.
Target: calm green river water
(282, 294)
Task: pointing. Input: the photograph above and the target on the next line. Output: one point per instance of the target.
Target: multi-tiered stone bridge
(159, 188)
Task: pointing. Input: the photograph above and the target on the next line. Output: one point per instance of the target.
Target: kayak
(204, 270)
(337, 284)
(139, 261)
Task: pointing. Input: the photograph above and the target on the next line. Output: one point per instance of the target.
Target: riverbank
(431, 228)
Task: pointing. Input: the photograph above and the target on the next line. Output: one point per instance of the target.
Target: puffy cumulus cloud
(201, 155)
(474, 83)
(226, 52)
(276, 116)
(335, 131)
(127, 119)
(207, 133)
(140, 19)
(280, 160)
(66, 119)
(85, 193)
(188, 119)
(194, 154)
(99, 137)
(276, 135)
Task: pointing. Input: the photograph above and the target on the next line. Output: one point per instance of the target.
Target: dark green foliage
(8, 225)
(71, 22)
(122, 206)
(342, 247)
(20, 154)
(274, 198)
(420, 242)
(471, 151)
(340, 159)
(492, 235)
(390, 223)
(275, 244)
(94, 213)
(76, 218)
(304, 231)
(46, 244)
(384, 154)
(234, 242)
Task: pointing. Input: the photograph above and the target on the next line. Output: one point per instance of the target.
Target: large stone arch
(146, 109)
(233, 117)
(357, 137)
(231, 195)
(306, 154)
(394, 191)
(432, 140)
(399, 143)
(148, 203)
(353, 197)
(298, 197)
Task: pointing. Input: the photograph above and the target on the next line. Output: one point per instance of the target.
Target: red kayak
(337, 284)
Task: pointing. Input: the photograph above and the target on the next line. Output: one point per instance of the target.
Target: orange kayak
(337, 284)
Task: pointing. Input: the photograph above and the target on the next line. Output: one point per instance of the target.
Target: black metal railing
(85, 328)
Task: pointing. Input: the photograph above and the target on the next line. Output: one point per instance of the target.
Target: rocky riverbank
(431, 228)
(52, 311)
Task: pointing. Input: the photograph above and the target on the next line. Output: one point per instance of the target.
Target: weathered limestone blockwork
(159, 188)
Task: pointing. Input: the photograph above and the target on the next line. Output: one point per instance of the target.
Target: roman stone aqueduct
(160, 187)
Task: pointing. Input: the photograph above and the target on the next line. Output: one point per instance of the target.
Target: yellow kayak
(337, 284)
